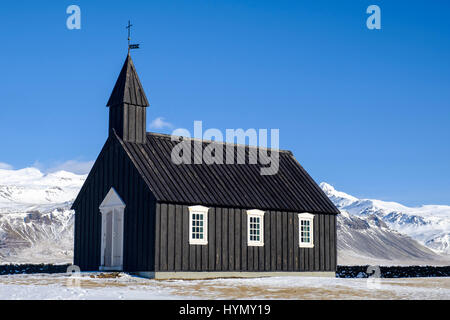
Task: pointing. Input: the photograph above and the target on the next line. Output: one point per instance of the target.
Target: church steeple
(127, 105)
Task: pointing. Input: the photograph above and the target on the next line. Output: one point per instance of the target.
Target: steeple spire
(127, 105)
(128, 88)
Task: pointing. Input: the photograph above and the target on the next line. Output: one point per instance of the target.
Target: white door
(112, 210)
(108, 239)
(112, 239)
(117, 239)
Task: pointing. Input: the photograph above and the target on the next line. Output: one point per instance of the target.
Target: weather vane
(130, 46)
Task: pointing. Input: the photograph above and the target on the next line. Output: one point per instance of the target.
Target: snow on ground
(89, 286)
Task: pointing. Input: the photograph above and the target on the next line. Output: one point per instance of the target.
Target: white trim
(306, 215)
(112, 200)
(255, 213)
(204, 212)
(310, 218)
(114, 205)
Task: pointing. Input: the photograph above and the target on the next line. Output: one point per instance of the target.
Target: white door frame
(114, 205)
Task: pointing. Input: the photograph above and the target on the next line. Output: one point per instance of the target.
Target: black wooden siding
(227, 248)
(113, 168)
(129, 122)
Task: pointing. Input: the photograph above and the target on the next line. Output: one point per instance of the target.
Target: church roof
(227, 185)
(128, 88)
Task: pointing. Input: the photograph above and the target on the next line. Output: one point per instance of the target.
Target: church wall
(227, 248)
(113, 168)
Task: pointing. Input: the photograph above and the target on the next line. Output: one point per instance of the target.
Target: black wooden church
(140, 212)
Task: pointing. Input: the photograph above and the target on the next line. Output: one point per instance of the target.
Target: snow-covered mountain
(429, 224)
(29, 186)
(36, 223)
(368, 240)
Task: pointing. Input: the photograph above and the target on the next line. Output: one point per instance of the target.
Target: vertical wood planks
(296, 243)
(273, 241)
(224, 239)
(284, 240)
(244, 246)
(327, 242)
(212, 239)
(171, 237)
(321, 225)
(316, 233)
(178, 237)
(231, 256)
(186, 250)
(290, 239)
(218, 219)
(237, 237)
(163, 238)
(267, 241)
(279, 235)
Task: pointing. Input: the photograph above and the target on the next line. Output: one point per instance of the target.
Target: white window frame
(306, 217)
(255, 213)
(203, 211)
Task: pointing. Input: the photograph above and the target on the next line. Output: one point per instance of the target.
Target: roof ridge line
(165, 135)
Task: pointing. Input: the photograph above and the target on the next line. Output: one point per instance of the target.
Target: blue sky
(365, 110)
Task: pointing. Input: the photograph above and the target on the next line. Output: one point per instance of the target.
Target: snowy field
(90, 286)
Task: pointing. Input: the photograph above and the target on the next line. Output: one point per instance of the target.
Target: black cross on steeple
(129, 31)
(130, 46)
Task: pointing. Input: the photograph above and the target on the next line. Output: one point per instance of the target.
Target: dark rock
(394, 271)
(32, 268)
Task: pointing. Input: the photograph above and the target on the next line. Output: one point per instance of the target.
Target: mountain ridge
(427, 224)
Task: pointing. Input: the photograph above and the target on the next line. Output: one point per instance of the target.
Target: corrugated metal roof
(228, 185)
(128, 88)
